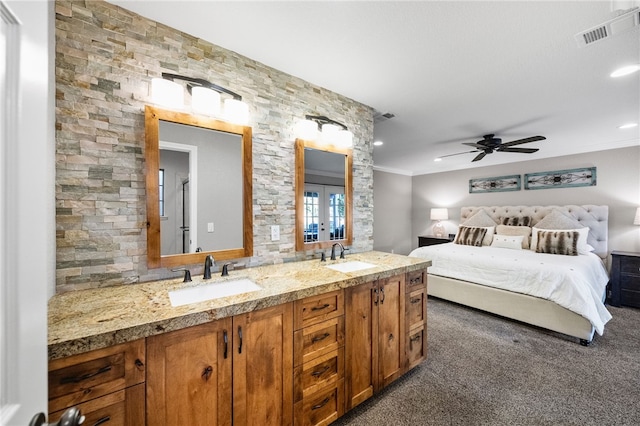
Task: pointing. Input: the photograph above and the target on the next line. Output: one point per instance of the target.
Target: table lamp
(439, 215)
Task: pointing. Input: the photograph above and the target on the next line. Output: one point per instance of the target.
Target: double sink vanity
(300, 343)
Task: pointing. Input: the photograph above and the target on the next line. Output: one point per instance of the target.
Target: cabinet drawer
(631, 297)
(630, 265)
(416, 346)
(415, 280)
(321, 408)
(315, 309)
(318, 373)
(120, 408)
(316, 340)
(630, 282)
(80, 378)
(416, 308)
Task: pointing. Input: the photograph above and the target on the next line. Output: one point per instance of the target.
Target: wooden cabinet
(107, 385)
(625, 279)
(319, 359)
(232, 371)
(416, 318)
(375, 333)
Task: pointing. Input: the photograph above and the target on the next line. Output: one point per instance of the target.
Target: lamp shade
(236, 111)
(307, 130)
(345, 139)
(439, 214)
(636, 220)
(330, 134)
(205, 101)
(167, 93)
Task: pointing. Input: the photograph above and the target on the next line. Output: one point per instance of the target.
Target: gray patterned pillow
(558, 220)
(558, 242)
(470, 236)
(516, 221)
(479, 218)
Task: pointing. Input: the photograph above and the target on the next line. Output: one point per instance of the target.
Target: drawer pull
(320, 337)
(240, 336)
(322, 404)
(139, 363)
(319, 308)
(319, 373)
(416, 299)
(415, 338)
(226, 343)
(415, 280)
(376, 298)
(102, 420)
(206, 373)
(79, 379)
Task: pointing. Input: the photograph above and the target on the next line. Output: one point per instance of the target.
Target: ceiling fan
(490, 143)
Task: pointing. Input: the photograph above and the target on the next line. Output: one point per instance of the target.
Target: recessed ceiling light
(628, 126)
(437, 159)
(629, 69)
(378, 143)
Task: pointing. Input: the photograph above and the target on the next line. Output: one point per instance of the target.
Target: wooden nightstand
(625, 279)
(424, 240)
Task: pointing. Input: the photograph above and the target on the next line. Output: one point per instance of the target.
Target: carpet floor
(486, 370)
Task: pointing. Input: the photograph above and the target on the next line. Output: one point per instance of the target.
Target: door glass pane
(336, 216)
(311, 215)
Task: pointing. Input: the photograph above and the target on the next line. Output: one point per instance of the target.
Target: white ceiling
(450, 71)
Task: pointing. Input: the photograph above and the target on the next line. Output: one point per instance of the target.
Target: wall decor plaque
(495, 184)
(561, 178)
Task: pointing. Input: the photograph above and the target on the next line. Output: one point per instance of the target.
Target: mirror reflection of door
(324, 213)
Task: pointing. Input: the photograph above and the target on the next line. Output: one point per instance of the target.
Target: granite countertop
(85, 320)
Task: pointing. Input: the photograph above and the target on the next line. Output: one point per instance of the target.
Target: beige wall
(618, 186)
(392, 213)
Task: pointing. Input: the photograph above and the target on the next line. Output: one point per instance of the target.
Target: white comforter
(574, 282)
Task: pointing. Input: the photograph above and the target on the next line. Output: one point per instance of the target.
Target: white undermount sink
(200, 293)
(352, 266)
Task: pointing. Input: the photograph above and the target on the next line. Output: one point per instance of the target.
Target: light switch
(210, 227)
(275, 232)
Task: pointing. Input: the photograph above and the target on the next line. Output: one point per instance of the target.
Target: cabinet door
(189, 376)
(263, 367)
(391, 329)
(361, 353)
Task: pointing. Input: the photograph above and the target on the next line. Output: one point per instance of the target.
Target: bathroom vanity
(315, 340)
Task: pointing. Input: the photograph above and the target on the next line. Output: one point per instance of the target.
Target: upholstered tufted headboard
(595, 217)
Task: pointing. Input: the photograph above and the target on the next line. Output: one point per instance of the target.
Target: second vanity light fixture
(205, 97)
(331, 133)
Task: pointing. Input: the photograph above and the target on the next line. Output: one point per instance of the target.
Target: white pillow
(508, 241)
(488, 237)
(583, 247)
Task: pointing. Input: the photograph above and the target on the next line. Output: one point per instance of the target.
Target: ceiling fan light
(628, 126)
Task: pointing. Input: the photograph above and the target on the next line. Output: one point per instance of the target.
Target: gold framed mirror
(198, 169)
(323, 195)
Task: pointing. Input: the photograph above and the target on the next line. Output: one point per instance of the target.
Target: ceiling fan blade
(525, 140)
(521, 150)
(479, 157)
(475, 145)
(459, 153)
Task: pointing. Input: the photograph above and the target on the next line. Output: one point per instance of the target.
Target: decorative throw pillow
(558, 242)
(524, 231)
(558, 220)
(513, 242)
(583, 233)
(479, 218)
(470, 235)
(516, 221)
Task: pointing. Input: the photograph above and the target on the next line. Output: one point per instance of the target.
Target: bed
(561, 293)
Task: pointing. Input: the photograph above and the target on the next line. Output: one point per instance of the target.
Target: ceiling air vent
(379, 117)
(624, 22)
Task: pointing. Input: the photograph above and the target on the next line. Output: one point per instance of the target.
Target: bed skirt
(521, 307)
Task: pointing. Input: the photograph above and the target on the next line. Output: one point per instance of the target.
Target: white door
(27, 206)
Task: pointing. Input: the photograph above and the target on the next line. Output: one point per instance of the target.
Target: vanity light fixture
(205, 97)
(333, 132)
(439, 214)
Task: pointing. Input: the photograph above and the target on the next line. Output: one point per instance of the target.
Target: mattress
(576, 283)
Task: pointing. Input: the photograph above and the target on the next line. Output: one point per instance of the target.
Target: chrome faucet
(208, 263)
(333, 251)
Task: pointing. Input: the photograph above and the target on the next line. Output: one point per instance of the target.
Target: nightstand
(625, 279)
(424, 240)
